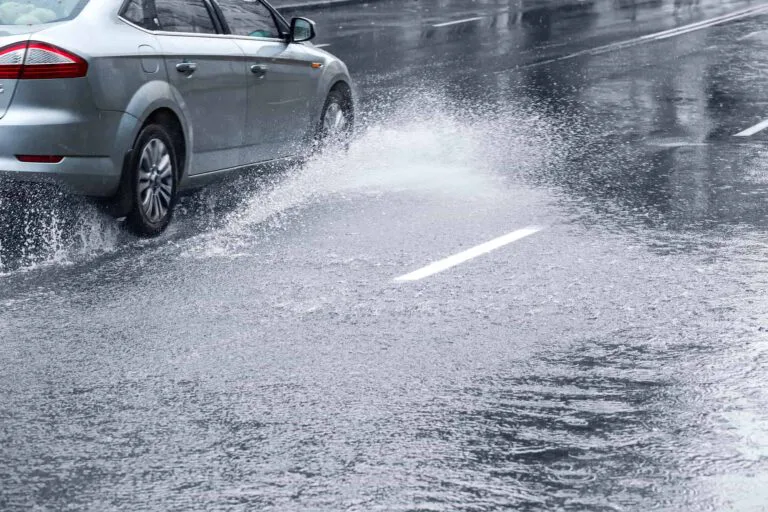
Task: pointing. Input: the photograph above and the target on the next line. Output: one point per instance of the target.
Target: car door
(207, 73)
(280, 80)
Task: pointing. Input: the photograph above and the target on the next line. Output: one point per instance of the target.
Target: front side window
(184, 16)
(249, 18)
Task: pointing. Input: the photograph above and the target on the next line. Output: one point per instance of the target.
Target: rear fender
(150, 98)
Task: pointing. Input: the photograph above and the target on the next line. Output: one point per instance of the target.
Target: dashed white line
(762, 125)
(469, 254)
(680, 144)
(457, 22)
(324, 45)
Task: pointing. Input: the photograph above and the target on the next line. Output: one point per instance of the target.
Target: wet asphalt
(261, 355)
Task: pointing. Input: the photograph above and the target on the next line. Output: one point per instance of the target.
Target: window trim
(217, 23)
(220, 23)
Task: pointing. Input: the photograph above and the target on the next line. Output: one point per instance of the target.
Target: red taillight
(47, 61)
(40, 159)
(12, 60)
(35, 60)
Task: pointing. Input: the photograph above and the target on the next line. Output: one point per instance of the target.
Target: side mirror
(302, 30)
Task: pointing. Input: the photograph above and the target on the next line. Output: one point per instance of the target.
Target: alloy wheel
(335, 121)
(155, 180)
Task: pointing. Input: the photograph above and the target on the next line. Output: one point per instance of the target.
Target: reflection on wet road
(262, 355)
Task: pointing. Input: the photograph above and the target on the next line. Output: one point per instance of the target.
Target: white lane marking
(680, 144)
(657, 36)
(683, 29)
(712, 23)
(469, 254)
(449, 23)
(762, 125)
(324, 45)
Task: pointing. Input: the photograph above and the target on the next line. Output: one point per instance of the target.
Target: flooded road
(261, 355)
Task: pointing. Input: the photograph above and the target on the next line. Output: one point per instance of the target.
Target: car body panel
(334, 72)
(90, 145)
(212, 97)
(279, 98)
(155, 96)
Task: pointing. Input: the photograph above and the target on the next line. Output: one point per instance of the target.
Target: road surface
(536, 281)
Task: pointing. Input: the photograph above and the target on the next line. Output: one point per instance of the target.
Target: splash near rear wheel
(153, 182)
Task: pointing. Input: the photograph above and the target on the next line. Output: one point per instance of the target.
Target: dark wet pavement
(260, 356)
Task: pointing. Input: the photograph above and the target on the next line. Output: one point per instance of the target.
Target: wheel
(153, 175)
(336, 120)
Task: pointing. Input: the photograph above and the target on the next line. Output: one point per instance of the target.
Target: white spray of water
(416, 146)
(41, 227)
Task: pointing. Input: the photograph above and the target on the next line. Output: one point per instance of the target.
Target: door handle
(186, 68)
(259, 70)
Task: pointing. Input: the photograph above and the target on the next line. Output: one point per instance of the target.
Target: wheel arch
(156, 102)
(335, 76)
(343, 87)
(169, 119)
(152, 104)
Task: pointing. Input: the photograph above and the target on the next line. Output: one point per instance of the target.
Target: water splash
(424, 144)
(41, 226)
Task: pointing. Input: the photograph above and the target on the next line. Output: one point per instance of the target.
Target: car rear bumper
(93, 148)
(91, 176)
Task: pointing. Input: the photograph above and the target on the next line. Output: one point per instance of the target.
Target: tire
(152, 175)
(336, 121)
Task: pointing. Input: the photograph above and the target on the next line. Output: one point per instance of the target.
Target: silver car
(133, 101)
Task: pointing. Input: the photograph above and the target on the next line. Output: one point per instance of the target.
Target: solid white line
(710, 23)
(762, 125)
(658, 36)
(683, 29)
(449, 23)
(324, 45)
(469, 254)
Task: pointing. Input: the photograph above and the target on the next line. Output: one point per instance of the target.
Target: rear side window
(141, 13)
(184, 16)
(170, 15)
(249, 18)
(38, 12)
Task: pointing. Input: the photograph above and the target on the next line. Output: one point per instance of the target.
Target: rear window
(37, 12)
